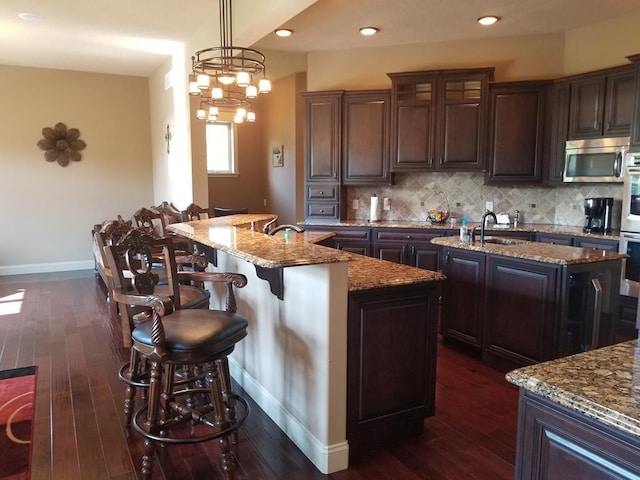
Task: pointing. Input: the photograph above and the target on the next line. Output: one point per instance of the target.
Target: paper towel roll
(374, 209)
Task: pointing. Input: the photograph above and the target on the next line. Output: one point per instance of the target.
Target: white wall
(49, 210)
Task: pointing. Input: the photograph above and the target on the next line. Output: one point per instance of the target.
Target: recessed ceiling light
(284, 32)
(30, 17)
(368, 31)
(488, 20)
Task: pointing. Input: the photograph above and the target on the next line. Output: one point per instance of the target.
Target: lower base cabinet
(391, 364)
(556, 443)
(518, 312)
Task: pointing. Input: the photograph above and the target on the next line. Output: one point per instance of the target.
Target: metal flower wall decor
(61, 145)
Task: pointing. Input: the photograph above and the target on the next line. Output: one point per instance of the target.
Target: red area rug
(17, 400)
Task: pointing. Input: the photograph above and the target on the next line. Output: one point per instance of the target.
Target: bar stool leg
(215, 385)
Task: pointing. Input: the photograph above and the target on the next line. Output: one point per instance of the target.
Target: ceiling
(135, 37)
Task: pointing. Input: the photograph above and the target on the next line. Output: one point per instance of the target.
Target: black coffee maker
(597, 213)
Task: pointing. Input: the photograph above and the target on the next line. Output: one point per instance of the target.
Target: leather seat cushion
(207, 331)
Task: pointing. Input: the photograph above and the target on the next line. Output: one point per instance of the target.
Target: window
(220, 151)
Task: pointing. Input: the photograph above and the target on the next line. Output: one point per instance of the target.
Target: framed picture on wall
(276, 156)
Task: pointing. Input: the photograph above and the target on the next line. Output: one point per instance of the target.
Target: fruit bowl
(438, 216)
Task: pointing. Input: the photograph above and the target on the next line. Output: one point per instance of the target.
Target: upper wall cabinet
(365, 137)
(323, 114)
(558, 101)
(602, 103)
(516, 132)
(438, 120)
(635, 124)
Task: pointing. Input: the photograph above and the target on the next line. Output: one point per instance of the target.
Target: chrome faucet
(295, 228)
(482, 223)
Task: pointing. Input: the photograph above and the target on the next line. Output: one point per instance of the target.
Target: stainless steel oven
(630, 221)
(630, 227)
(630, 244)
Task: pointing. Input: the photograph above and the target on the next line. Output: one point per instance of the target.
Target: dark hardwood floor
(61, 323)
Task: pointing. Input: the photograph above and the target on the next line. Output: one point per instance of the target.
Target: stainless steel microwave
(595, 160)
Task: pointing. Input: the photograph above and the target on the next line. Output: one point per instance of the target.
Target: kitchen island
(341, 348)
(579, 416)
(521, 302)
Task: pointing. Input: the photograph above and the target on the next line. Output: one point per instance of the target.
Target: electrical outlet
(386, 204)
(489, 206)
(422, 204)
(354, 205)
(265, 202)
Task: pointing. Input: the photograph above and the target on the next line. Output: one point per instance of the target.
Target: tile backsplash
(413, 194)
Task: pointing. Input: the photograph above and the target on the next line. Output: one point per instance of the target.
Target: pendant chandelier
(225, 77)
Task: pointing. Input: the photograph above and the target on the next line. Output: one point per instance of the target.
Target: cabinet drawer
(394, 235)
(353, 234)
(323, 210)
(322, 192)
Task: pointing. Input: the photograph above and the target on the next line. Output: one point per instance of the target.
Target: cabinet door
(463, 296)
(619, 104)
(365, 133)
(461, 124)
(516, 133)
(322, 135)
(392, 252)
(391, 364)
(558, 105)
(412, 122)
(586, 110)
(426, 257)
(520, 311)
(557, 443)
(354, 240)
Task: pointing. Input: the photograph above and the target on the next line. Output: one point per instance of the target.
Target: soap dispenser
(464, 230)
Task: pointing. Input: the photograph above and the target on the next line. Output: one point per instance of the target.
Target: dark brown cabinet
(463, 296)
(520, 311)
(354, 240)
(438, 120)
(556, 239)
(558, 107)
(391, 364)
(322, 141)
(408, 246)
(602, 244)
(556, 442)
(635, 124)
(365, 134)
(602, 103)
(516, 132)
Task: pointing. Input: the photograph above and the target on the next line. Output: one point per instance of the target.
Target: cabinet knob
(322, 210)
(408, 236)
(321, 193)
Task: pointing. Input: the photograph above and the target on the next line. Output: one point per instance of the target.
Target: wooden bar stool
(176, 338)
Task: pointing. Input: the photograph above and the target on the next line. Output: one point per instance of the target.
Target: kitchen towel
(373, 217)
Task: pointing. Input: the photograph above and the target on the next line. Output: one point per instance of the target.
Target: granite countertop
(537, 251)
(524, 228)
(234, 236)
(603, 384)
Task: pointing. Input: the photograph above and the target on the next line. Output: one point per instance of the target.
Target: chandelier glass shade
(227, 77)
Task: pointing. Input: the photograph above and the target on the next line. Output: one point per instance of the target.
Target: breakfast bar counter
(341, 348)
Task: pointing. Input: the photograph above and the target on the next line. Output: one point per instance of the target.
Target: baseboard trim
(327, 458)
(46, 267)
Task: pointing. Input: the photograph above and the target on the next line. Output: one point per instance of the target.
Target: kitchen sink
(503, 241)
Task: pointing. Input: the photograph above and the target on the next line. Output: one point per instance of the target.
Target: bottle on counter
(464, 230)
(516, 217)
